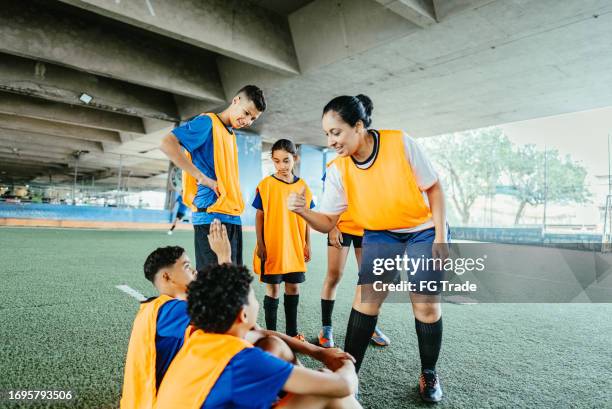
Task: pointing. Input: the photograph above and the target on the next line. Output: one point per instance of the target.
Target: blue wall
(69, 212)
(249, 161)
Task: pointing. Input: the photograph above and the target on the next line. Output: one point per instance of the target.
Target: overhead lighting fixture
(85, 98)
(77, 154)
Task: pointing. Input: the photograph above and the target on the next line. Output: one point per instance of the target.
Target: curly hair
(160, 258)
(255, 94)
(216, 296)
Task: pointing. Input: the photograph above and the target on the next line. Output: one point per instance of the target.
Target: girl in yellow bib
(283, 238)
(390, 188)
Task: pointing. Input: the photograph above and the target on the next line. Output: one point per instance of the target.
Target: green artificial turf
(64, 326)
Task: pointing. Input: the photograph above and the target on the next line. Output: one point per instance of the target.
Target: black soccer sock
(270, 309)
(430, 342)
(291, 307)
(358, 335)
(327, 308)
(173, 226)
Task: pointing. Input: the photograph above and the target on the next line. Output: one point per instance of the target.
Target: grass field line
(131, 292)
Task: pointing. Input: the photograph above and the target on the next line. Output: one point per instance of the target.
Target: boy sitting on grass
(160, 325)
(218, 368)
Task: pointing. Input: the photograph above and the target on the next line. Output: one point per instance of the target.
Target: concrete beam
(154, 125)
(29, 159)
(39, 126)
(127, 162)
(14, 104)
(55, 83)
(326, 31)
(189, 107)
(41, 149)
(8, 136)
(126, 55)
(44, 157)
(419, 12)
(20, 145)
(236, 29)
(447, 8)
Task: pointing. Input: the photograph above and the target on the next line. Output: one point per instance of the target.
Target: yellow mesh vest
(196, 368)
(225, 154)
(139, 381)
(386, 195)
(284, 231)
(346, 224)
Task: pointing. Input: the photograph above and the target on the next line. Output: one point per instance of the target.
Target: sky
(583, 135)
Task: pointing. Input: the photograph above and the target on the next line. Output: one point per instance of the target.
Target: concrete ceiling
(431, 66)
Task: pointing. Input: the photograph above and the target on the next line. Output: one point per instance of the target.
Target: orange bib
(225, 154)
(284, 231)
(196, 368)
(347, 225)
(139, 381)
(385, 196)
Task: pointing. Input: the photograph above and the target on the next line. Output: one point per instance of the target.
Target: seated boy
(160, 325)
(217, 368)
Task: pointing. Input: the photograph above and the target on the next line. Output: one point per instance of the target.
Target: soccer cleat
(300, 337)
(169, 232)
(429, 386)
(326, 337)
(379, 338)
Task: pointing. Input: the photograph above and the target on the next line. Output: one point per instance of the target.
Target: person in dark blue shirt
(180, 213)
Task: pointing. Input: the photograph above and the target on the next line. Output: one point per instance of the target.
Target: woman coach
(394, 193)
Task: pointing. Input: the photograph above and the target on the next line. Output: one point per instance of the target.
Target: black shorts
(204, 254)
(291, 278)
(180, 215)
(347, 239)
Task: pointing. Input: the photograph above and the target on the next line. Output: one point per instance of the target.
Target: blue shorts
(394, 258)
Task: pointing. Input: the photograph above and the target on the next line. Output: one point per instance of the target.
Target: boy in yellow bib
(161, 325)
(390, 188)
(217, 368)
(283, 238)
(211, 180)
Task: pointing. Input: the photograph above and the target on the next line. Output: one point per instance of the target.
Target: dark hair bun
(367, 104)
(352, 109)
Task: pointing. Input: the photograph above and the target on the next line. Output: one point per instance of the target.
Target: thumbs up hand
(296, 202)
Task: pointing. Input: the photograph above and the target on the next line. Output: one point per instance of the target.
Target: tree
(471, 163)
(544, 176)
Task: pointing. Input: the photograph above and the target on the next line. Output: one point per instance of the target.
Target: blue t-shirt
(258, 204)
(172, 322)
(181, 206)
(251, 380)
(196, 137)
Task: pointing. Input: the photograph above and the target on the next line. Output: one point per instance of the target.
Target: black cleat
(429, 386)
